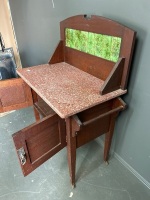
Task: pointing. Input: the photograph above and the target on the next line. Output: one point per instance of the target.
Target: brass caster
(73, 186)
(107, 163)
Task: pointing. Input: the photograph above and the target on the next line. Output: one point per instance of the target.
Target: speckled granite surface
(66, 89)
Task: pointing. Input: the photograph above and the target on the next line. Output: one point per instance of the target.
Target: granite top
(66, 89)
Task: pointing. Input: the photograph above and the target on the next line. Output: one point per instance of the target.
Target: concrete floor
(50, 181)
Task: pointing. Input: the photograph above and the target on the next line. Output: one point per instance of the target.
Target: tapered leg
(108, 137)
(71, 150)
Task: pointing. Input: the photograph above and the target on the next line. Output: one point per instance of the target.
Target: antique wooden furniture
(76, 93)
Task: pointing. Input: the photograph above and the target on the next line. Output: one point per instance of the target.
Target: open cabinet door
(39, 142)
(14, 94)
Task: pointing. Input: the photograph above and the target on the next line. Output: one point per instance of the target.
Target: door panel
(40, 141)
(14, 94)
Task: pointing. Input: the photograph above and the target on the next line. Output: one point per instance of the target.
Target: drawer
(96, 121)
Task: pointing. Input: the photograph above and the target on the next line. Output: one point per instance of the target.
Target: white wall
(36, 25)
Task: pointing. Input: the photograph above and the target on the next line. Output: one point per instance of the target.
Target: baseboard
(143, 180)
(125, 164)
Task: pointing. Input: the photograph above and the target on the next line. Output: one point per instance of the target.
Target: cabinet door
(39, 142)
(14, 94)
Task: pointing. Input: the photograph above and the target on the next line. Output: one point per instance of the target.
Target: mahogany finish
(40, 141)
(49, 135)
(40, 107)
(98, 117)
(93, 65)
(43, 108)
(113, 81)
(99, 67)
(14, 94)
(80, 133)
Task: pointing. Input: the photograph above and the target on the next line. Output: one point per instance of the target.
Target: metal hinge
(22, 155)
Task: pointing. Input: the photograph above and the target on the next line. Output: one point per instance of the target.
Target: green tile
(103, 46)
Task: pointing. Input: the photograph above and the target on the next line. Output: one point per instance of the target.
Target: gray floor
(50, 181)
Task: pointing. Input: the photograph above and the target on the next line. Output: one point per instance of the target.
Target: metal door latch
(22, 155)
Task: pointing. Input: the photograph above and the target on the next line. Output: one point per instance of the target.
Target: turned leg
(71, 150)
(108, 137)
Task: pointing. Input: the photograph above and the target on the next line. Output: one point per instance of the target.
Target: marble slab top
(66, 89)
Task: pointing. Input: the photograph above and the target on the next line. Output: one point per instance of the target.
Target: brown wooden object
(14, 94)
(97, 118)
(88, 125)
(113, 81)
(40, 141)
(40, 107)
(93, 65)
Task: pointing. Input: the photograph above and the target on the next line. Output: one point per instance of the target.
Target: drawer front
(39, 142)
(96, 121)
(14, 94)
(93, 130)
(95, 111)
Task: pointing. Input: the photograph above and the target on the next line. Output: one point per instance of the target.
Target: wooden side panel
(93, 65)
(43, 108)
(14, 94)
(40, 141)
(113, 81)
(127, 52)
(58, 55)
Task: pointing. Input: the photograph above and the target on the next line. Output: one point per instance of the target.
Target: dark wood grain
(96, 121)
(14, 94)
(108, 136)
(43, 108)
(48, 136)
(93, 65)
(114, 80)
(41, 141)
(35, 100)
(79, 131)
(99, 67)
(71, 150)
